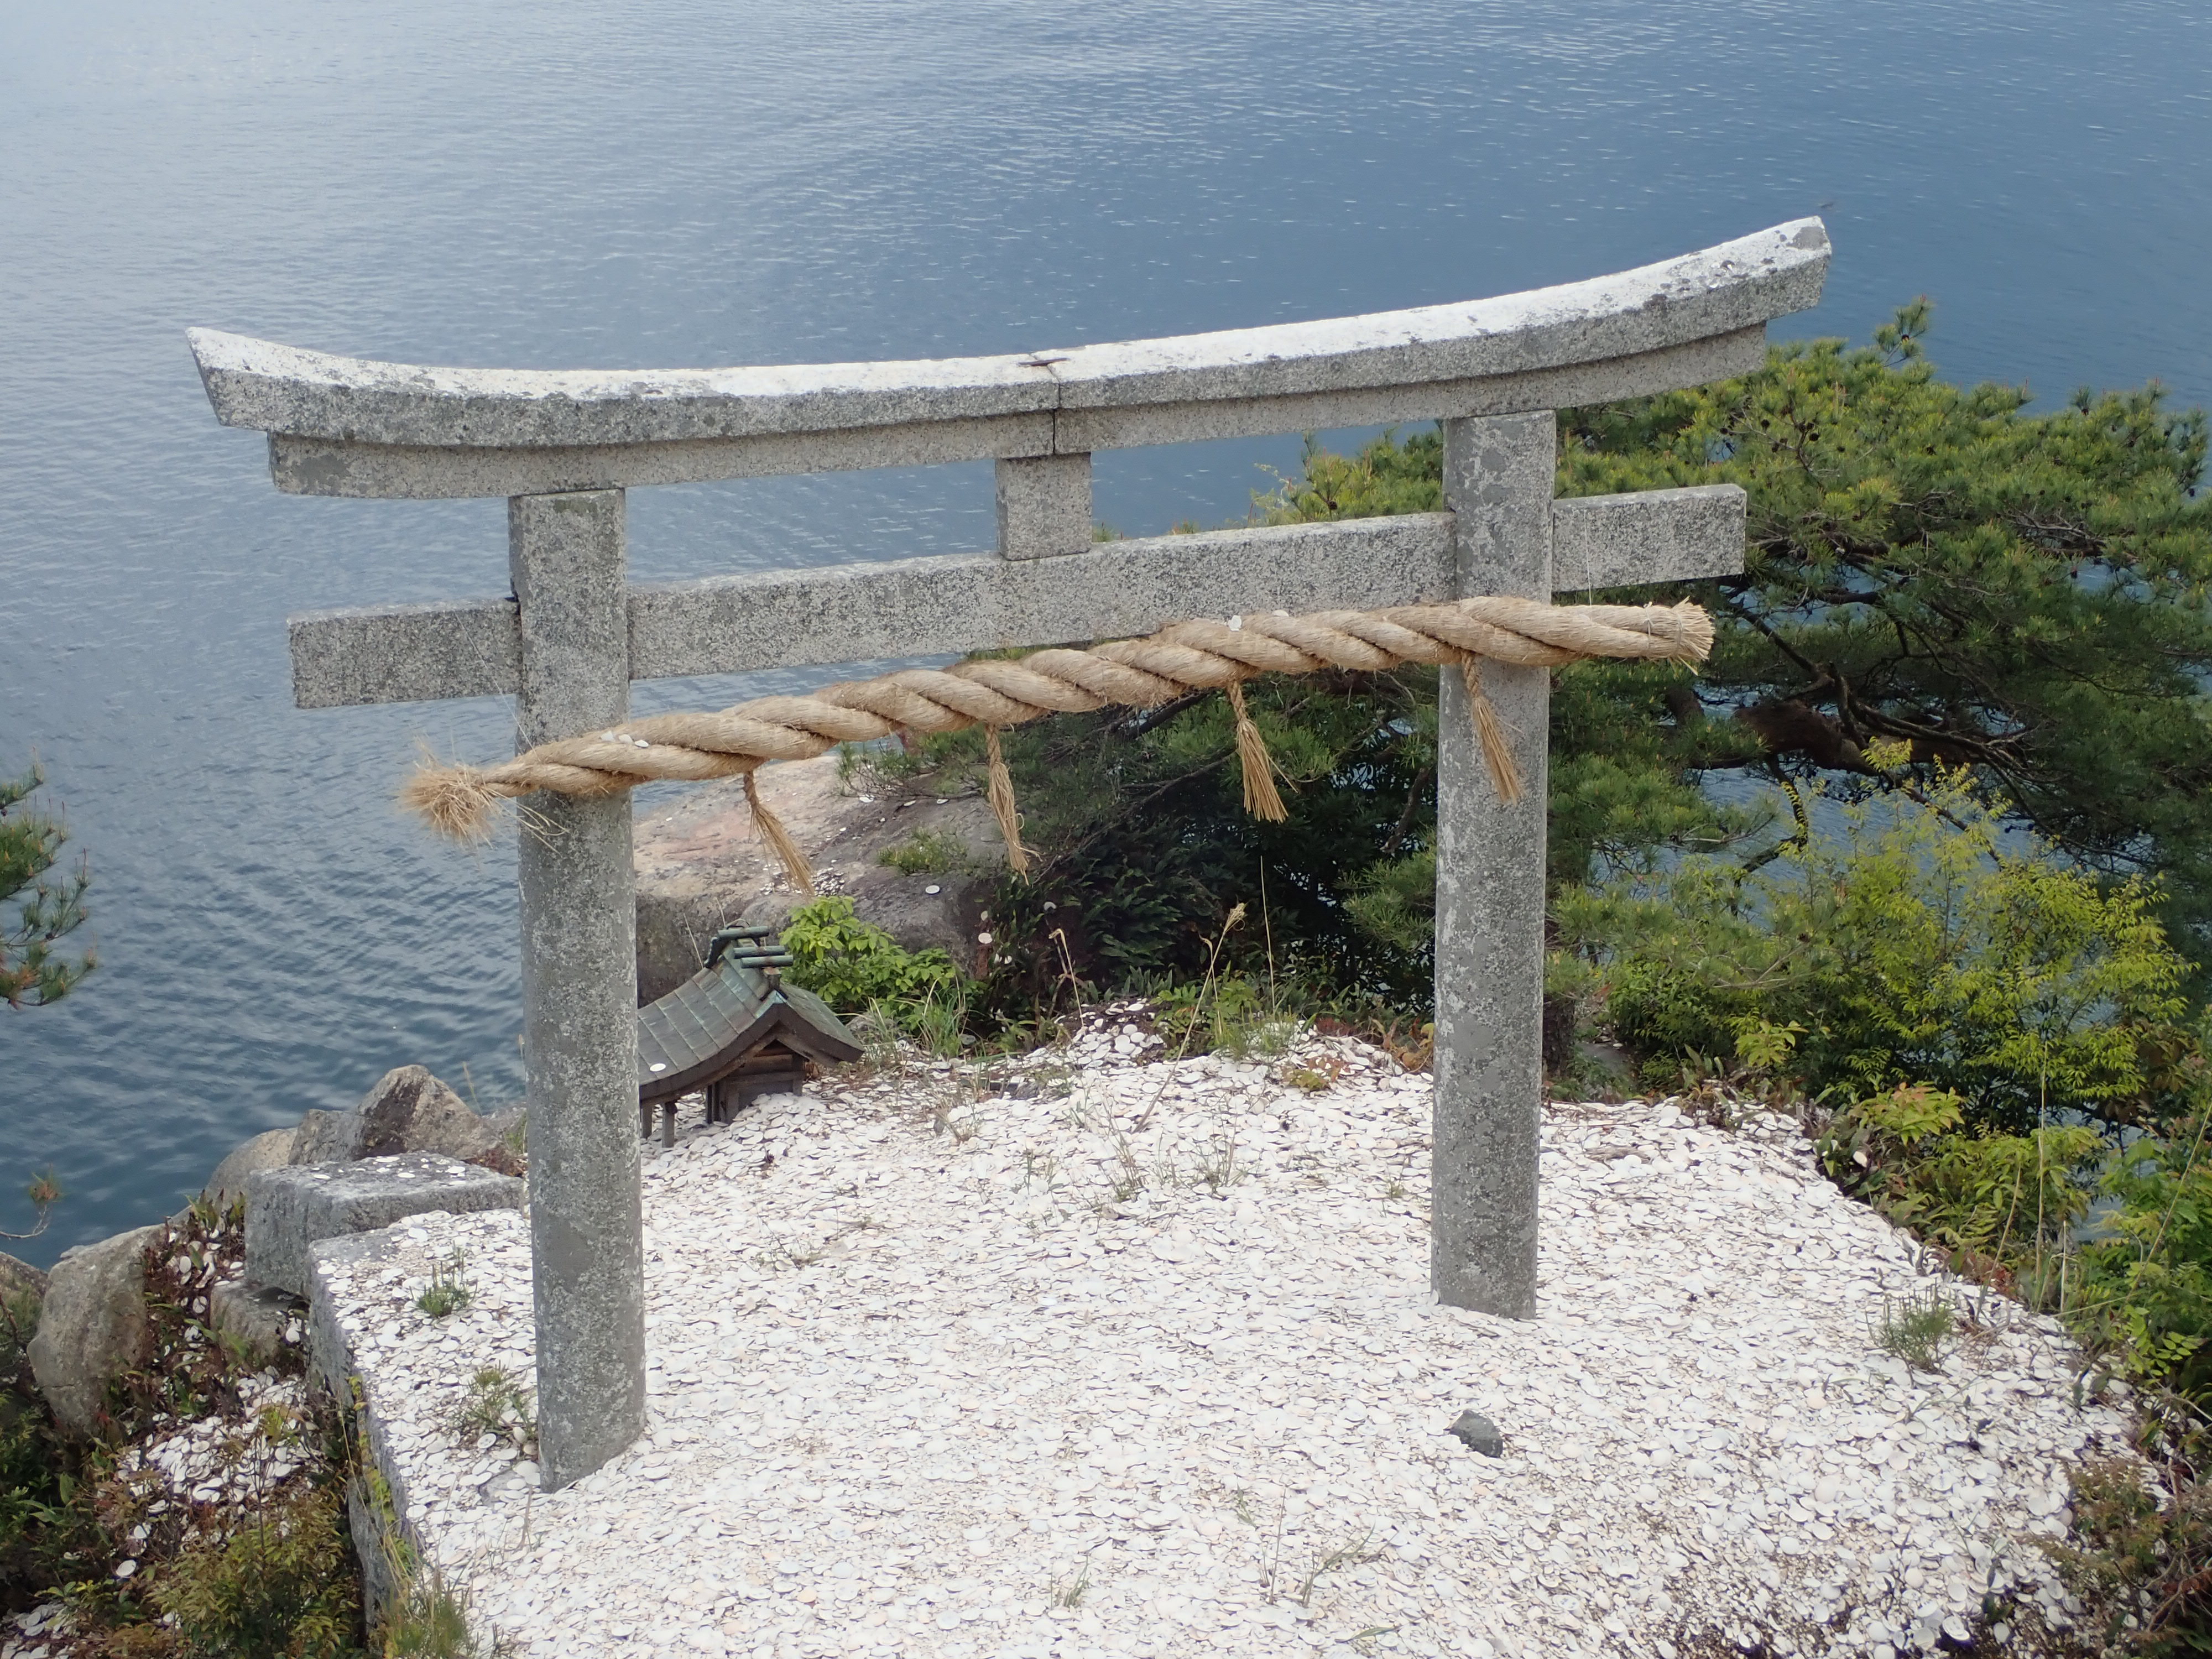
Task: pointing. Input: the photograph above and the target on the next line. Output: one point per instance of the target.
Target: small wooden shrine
(735, 1031)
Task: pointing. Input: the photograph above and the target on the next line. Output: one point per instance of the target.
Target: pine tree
(46, 909)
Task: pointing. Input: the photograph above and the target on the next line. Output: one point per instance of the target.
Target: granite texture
(1647, 535)
(397, 652)
(271, 1150)
(331, 466)
(289, 1210)
(579, 924)
(1489, 1062)
(389, 428)
(904, 607)
(1044, 506)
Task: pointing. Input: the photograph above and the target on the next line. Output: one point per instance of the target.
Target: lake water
(635, 184)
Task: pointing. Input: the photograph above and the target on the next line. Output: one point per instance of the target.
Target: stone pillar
(1490, 890)
(579, 991)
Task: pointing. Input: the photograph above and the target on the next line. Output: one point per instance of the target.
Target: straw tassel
(1001, 792)
(1490, 735)
(1261, 799)
(773, 832)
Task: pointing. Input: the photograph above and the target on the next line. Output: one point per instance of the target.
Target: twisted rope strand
(1183, 657)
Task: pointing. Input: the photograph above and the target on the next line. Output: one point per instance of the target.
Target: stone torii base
(564, 446)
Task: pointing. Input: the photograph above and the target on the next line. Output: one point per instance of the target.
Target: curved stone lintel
(1722, 290)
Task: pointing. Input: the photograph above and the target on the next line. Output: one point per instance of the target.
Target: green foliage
(2146, 1291)
(1145, 847)
(853, 965)
(2141, 1560)
(447, 1291)
(1931, 565)
(1914, 1330)
(1919, 945)
(48, 1533)
(1928, 565)
(2004, 1205)
(496, 1403)
(928, 852)
(32, 968)
(430, 1622)
(280, 1589)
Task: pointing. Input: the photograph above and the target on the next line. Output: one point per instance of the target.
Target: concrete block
(1044, 506)
(289, 1210)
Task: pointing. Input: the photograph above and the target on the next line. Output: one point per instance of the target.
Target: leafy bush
(1921, 944)
(2141, 1556)
(853, 965)
(282, 1587)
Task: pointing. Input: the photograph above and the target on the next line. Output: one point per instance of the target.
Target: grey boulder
(408, 1110)
(288, 1211)
(272, 1150)
(93, 1327)
(18, 1277)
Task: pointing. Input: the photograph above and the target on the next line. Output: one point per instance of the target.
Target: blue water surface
(679, 183)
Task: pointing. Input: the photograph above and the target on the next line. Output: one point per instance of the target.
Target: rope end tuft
(453, 800)
(1262, 798)
(1001, 790)
(1490, 735)
(779, 839)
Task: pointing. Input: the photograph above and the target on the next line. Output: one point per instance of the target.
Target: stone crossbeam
(574, 634)
(345, 426)
(974, 602)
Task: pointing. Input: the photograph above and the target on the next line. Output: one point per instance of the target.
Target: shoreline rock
(701, 865)
(93, 1326)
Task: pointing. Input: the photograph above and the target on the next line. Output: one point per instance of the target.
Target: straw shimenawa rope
(995, 693)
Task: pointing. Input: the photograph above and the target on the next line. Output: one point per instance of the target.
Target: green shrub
(853, 965)
(281, 1589)
(1920, 945)
(1664, 1011)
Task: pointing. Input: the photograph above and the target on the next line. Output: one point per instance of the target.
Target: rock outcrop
(17, 1277)
(93, 1326)
(408, 1110)
(701, 865)
(271, 1150)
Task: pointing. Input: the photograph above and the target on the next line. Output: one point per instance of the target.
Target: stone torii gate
(563, 447)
